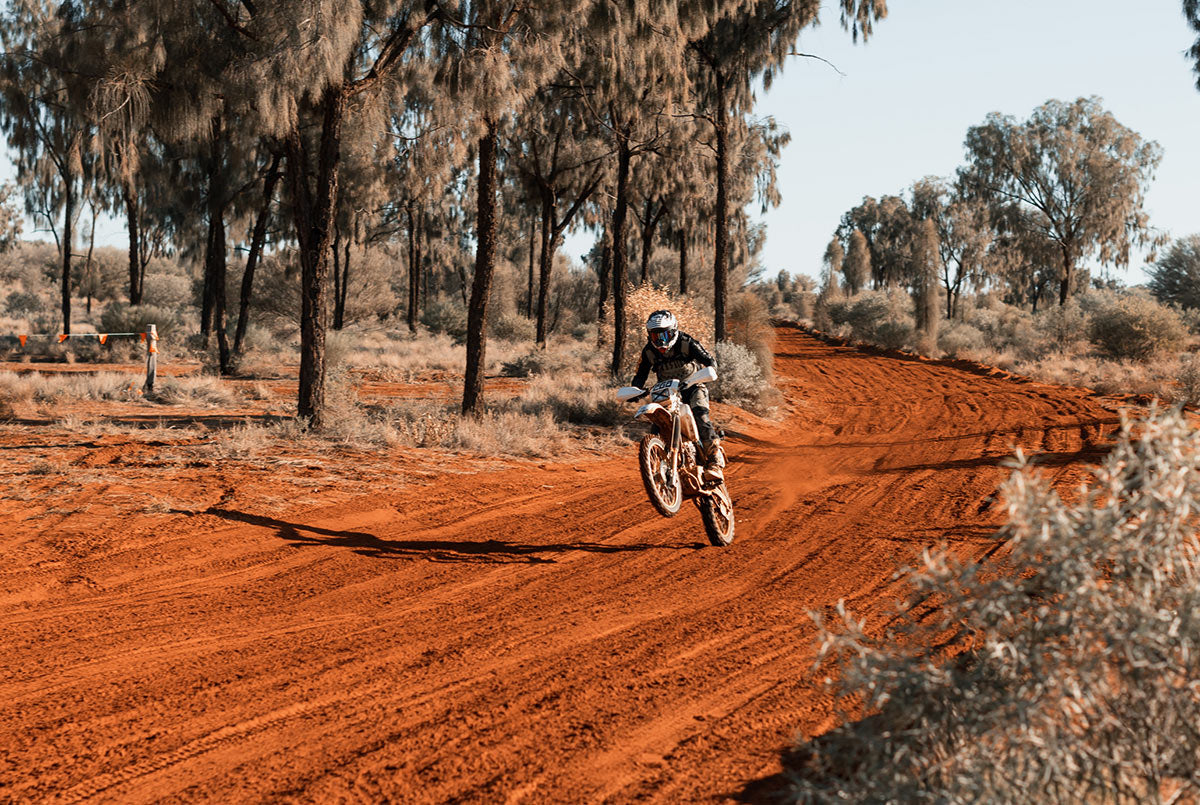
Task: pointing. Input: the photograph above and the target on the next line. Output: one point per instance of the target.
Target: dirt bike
(669, 456)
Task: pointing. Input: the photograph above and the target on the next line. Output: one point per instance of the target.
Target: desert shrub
(22, 304)
(1188, 389)
(573, 398)
(511, 327)
(748, 322)
(501, 432)
(1191, 319)
(205, 390)
(421, 424)
(1003, 326)
(446, 317)
(879, 317)
(120, 317)
(960, 340)
(54, 388)
(1136, 327)
(339, 344)
(1062, 327)
(169, 290)
(1078, 677)
(276, 295)
(561, 355)
(370, 295)
(739, 377)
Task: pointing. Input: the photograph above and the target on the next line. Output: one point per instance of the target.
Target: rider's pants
(697, 398)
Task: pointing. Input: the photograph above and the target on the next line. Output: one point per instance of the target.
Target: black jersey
(684, 357)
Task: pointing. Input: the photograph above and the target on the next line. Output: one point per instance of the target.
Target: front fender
(655, 414)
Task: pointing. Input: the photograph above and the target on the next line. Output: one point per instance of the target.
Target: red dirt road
(519, 635)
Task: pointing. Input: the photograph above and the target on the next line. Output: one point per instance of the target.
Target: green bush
(1077, 677)
(1137, 327)
(511, 327)
(442, 316)
(748, 323)
(120, 317)
(741, 380)
(572, 398)
(22, 303)
(960, 340)
(1062, 327)
(878, 317)
(1004, 326)
(172, 291)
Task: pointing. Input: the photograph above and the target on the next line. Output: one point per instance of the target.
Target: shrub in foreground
(1079, 679)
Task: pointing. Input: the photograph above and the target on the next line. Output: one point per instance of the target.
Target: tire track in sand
(529, 634)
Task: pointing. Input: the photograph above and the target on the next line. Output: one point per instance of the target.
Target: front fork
(673, 441)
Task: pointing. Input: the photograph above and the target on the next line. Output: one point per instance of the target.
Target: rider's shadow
(489, 551)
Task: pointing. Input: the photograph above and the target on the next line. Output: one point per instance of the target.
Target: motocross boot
(714, 464)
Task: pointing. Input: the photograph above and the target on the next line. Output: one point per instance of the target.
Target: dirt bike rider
(673, 356)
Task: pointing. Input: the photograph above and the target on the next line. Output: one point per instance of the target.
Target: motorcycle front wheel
(655, 465)
(716, 510)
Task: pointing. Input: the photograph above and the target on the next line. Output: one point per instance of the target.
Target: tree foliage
(1071, 175)
(307, 134)
(1175, 278)
(1191, 10)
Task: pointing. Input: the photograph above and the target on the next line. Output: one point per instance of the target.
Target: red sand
(417, 630)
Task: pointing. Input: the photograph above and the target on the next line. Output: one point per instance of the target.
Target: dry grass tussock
(33, 387)
(1080, 682)
(552, 415)
(398, 355)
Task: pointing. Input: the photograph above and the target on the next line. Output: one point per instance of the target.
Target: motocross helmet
(663, 330)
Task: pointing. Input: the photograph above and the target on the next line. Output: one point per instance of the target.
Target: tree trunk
(485, 264)
(341, 303)
(257, 239)
(544, 265)
(214, 258)
(683, 264)
(335, 253)
(67, 239)
(620, 260)
(135, 252)
(1064, 287)
(529, 288)
(87, 271)
(312, 209)
(422, 276)
(647, 233)
(604, 272)
(412, 270)
(721, 241)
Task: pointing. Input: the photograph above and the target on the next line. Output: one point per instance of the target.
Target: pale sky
(936, 67)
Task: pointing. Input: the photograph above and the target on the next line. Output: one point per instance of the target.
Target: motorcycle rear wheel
(655, 466)
(716, 510)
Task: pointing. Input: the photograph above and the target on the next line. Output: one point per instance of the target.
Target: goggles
(661, 338)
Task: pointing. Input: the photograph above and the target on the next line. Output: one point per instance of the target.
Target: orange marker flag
(22, 339)
(63, 337)
(142, 337)
(103, 337)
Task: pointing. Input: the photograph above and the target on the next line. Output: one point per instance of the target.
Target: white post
(151, 358)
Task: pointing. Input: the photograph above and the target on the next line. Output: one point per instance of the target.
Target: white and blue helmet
(663, 330)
